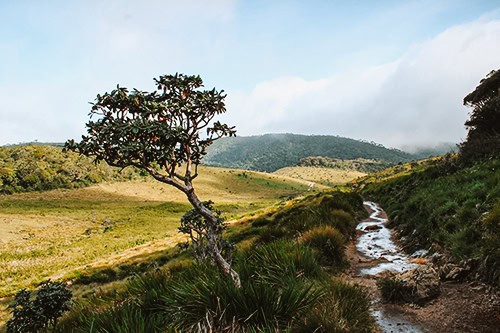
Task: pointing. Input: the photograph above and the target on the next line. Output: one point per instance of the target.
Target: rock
(423, 282)
(373, 227)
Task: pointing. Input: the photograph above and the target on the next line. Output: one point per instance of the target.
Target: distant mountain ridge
(270, 152)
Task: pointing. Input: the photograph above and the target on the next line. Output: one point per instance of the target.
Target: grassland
(323, 176)
(64, 233)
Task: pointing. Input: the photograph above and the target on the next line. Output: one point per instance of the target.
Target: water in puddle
(376, 243)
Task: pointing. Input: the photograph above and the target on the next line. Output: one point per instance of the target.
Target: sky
(390, 71)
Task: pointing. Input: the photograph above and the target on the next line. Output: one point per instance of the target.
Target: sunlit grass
(324, 176)
(55, 233)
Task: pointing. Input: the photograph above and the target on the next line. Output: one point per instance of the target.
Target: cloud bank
(416, 100)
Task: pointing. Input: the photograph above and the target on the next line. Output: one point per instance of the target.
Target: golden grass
(53, 234)
(323, 176)
(62, 234)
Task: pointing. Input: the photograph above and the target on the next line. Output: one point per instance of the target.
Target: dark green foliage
(271, 152)
(483, 138)
(328, 241)
(197, 228)
(155, 131)
(343, 308)
(41, 312)
(40, 168)
(447, 204)
(123, 318)
(393, 290)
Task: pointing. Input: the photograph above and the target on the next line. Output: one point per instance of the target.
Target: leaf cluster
(483, 138)
(198, 228)
(156, 131)
(39, 313)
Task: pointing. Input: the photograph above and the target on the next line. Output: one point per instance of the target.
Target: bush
(394, 290)
(37, 314)
(328, 241)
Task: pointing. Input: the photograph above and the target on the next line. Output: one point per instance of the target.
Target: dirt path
(461, 306)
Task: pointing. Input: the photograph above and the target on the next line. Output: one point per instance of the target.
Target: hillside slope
(271, 152)
(446, 206)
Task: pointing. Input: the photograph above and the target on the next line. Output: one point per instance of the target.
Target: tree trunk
(221, 263)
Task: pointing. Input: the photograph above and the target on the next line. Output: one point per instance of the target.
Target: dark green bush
(121, 318)
(37, 314)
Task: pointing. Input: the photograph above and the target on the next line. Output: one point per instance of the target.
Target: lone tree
(166, 133)
(483, 138)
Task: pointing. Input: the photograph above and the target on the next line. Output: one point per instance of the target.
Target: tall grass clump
(121, 318)
(343, 308)
(394, 290)
(328, 241)
(201, 299)
(278, 261)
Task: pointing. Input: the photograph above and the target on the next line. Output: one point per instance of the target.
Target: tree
(161, 132)
(483, 138)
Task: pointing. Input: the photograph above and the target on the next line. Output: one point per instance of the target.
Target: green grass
(449, 205)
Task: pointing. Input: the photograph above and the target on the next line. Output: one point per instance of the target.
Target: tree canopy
(157, 131)
(483, 138)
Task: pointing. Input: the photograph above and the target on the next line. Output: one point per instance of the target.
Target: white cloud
(413, 101)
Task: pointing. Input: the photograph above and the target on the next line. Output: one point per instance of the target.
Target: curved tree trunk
(221, 263)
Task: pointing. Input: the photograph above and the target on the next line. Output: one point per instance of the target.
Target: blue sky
(389, 71)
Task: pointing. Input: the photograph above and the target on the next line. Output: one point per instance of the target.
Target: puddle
(390, 321)
(376, 243)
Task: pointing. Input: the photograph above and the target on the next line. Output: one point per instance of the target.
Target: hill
(271, 152)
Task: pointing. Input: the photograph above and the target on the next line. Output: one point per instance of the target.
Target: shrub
(37, 314)
(328, 241)
(394, 290)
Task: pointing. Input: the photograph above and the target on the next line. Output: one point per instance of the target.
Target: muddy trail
(461, 306)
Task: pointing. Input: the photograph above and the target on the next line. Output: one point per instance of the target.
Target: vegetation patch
(448, 205)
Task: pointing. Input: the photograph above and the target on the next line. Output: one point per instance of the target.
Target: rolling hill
(271, 152)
